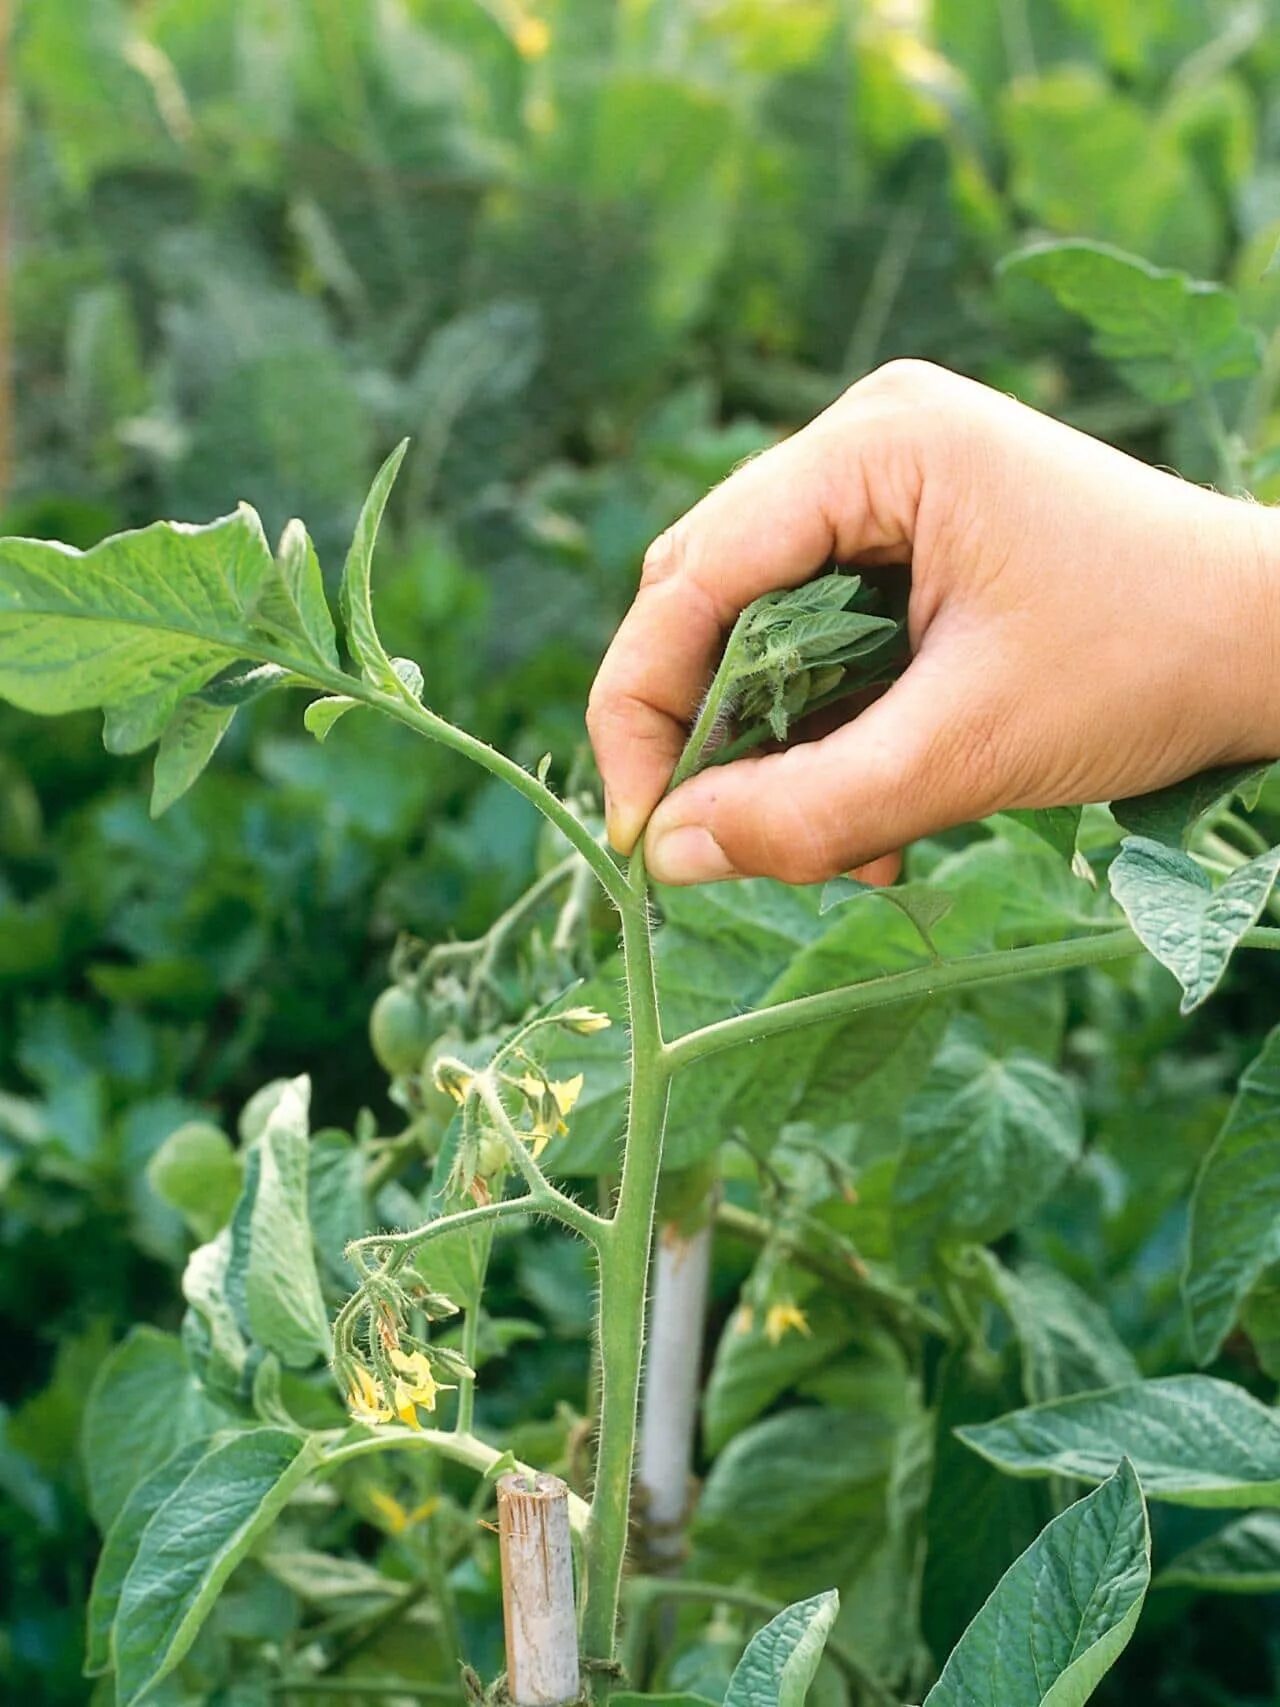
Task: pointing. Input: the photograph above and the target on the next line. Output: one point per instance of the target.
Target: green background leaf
(1061, 1616)
(1192, 1440)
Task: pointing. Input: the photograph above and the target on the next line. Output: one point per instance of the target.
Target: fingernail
(687, 854)
(621, 824)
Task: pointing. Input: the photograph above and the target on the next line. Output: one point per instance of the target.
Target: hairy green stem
(405, 709)
(991, 968)
(624, 1277)
(548, 1199)
(713, 710)
(471, 1335)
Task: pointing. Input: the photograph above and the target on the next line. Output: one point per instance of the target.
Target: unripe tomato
(399, 1030)
(438, 1105)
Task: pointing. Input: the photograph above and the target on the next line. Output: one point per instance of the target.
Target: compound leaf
(142, 1405)
(1192, 1440)
(987, 1139)
(1189, 926)
(121, 1546)
(1063, 1613)
(779, 1662)
(1169, 335)
(193, 1542)
(137, 623)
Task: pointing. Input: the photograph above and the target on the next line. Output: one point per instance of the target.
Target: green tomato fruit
(438, 1105)
(399, 1030)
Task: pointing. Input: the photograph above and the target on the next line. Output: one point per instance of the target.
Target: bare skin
(1083, 627)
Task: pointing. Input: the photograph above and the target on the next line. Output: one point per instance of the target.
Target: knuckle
(664, 557)
(906, 378)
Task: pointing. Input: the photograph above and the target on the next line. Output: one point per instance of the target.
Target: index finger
(772, 524)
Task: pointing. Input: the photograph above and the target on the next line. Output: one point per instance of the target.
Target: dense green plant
(897, 1117)
(253, 241)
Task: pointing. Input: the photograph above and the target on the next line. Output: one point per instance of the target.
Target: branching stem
(995, 967)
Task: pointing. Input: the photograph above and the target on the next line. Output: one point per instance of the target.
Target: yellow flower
(455, 1077)
(532, 37)
(781, 1318)
(744, 1319)
(585, 1021)
(365, 1399)
(416, 1386)
(550, 1100)
(394, 1515)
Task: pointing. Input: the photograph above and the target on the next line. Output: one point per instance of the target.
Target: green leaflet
(1260, 1319)
(922, 904)
(976, 1521)
(1192, 1440)
(194, 1541)
(1171, 336)
(987, 1140)
(1190, 927)
(783, 637)
(143, 1405)
(357, 580)
(1063, 1613)
(1057, 825)
(187, 743)
(283, 1301)
(779, 1662)
(1233, 1233)
(155, 626)
(321, 715)
(143, 618)
(1067, 1342)
(197, 1172)
(793, 1482)
(1170, 815)
(1242, 1558)
(295, 598)
(121, 1545)
(212, 1332)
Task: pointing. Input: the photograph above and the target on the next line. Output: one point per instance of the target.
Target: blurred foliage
(589, 256)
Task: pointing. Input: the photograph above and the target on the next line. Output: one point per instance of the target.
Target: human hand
(1083, 627)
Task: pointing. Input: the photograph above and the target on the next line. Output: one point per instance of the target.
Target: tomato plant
(589, 257)
(835, 1079)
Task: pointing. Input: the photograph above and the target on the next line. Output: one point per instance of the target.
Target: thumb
(924, 757)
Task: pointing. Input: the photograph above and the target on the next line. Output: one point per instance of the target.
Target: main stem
(624, 1273)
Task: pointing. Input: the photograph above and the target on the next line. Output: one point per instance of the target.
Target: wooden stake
(673, 1374)
(537, 1590)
